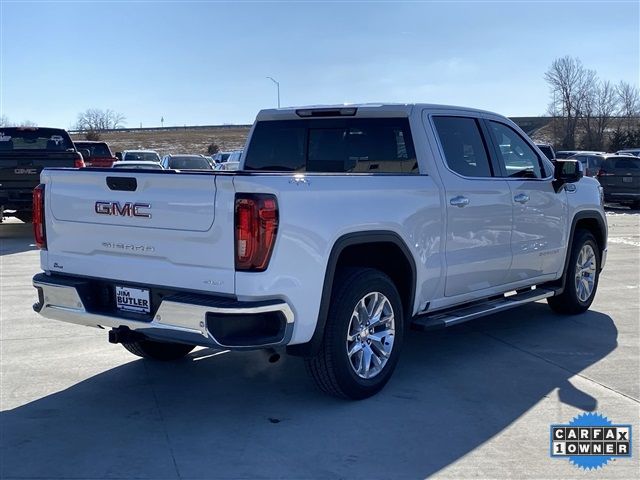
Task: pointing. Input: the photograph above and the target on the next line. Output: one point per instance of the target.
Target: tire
(336, 372)
(165, 351)
(26, 217)
(574, 299)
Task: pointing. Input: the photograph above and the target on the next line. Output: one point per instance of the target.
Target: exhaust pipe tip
(272, 355)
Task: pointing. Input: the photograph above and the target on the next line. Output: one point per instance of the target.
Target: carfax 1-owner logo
(590, 441)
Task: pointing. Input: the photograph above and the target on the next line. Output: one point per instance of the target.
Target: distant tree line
(5, 122)
(591, 113)
(93, 121)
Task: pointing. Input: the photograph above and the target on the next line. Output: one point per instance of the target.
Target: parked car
(99, 153)
(571, 153)
(547, 149)
(348, 226)
(619, 176)
(631, 151)
(186, 162)
(24, 152)
(140, 155)
(590, 161)
(228, 166)
(221, 157)
(144, 165)
(232, 161)
(235, 156)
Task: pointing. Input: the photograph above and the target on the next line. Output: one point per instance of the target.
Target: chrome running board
(446, 318)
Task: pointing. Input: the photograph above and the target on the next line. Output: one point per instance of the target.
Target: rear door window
(463, 145)
(333, 146)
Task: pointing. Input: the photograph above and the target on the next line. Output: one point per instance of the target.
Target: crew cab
(345, 228)
(24, 152)
(96, 154)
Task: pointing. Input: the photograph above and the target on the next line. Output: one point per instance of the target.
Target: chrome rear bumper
(176, 319)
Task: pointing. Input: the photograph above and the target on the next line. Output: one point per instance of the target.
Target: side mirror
(566, 171)
(119, 155)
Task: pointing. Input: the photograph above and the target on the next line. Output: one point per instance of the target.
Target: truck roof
(362, 110)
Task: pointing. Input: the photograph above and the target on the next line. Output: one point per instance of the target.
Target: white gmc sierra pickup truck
(345, 227)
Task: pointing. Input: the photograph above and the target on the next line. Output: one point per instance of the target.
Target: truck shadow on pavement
(16, 237)
(221, 415)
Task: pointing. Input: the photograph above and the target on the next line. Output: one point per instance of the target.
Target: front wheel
(165, 351)
(362, 338)
(582, 276)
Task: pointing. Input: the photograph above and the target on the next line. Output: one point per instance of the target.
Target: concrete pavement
(473, 401)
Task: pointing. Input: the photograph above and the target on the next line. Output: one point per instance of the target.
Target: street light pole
(278, 88)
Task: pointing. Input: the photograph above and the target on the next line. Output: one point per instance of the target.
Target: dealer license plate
(133, 299)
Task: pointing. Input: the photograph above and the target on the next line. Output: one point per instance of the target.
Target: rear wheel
(582, 276)
(362, 337)
(165, 351)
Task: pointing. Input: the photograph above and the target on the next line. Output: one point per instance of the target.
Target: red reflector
(256, 226)
(39, 232)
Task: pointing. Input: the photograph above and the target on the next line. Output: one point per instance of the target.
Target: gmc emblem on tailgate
(128, 209)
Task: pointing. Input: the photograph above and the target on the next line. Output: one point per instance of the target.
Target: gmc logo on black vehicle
(127, 209)
(25, 171)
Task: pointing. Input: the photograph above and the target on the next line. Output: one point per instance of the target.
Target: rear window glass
(47, 139)
(189, 163)
(625, 163)
(141, 156)
(381, 145)
(141, 166)
(95, 149)
(589, 160)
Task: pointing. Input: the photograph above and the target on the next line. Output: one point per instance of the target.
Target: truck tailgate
(151, 228)
(21, 169)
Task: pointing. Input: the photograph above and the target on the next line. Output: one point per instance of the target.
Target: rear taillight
(38, 217)
(256, 225)
(603, 173)
(79, 161)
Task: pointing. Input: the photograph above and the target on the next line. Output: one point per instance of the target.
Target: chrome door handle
(459, 201)
(521, 198)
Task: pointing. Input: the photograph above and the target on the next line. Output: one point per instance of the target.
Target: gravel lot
(473, 401)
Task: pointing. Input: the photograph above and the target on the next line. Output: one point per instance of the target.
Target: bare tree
(628, 101)
(4, 122)
(26, 123)
(599, 108)
(570, 83)
(96, 120)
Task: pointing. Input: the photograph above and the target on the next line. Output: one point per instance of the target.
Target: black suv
(619, 176)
